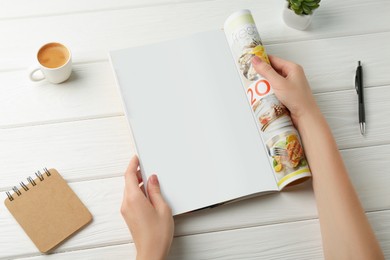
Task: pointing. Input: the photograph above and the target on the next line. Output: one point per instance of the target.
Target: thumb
(154, 193)
(266, 70)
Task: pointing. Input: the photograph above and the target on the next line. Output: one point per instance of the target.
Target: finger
(139, 176)
(155, 195)
(266, 70)
(284, 67)
(140, 182)
(142, 187)
(131, 179)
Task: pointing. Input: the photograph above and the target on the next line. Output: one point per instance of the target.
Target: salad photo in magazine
(282, 140)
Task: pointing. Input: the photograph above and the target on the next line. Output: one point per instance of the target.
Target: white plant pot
(299, 22)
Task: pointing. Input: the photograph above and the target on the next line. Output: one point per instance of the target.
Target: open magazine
(208, 125)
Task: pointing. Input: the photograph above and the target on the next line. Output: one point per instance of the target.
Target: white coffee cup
(54, 60)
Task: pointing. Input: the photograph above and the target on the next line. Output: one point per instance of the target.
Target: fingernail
(256, 60)
(154, 179)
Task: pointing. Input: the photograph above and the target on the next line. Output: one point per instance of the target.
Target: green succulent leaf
(296, 10)
(315, 6)
(306, 9)
(303, 7)
(310, 3)
(295, 2)
(299, 11)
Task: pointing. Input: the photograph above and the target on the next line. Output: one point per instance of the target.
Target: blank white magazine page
(192, 122)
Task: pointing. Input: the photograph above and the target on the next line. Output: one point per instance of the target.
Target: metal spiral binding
(31, 181)
(9, 196)
(15, 189)
(47, 171)
(23, 186)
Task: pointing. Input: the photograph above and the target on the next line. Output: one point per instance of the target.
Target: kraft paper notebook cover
(47, 209)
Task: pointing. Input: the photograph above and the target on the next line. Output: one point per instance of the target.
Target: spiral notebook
(47, 209)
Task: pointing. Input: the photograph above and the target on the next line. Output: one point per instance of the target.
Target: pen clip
(356, 83)
(357, 79)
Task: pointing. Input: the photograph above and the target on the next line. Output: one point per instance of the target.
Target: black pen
(359, 90)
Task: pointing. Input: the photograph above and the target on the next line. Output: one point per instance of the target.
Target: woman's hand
(290, 85)
(346, 232)
(150, 220)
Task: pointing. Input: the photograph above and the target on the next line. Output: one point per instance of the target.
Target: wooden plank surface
(341, 111)
(79, 128)
(301, 241)
(103, 198)
(91, 92)
(80, 150)
(24, 8)
(98, 148)
(98, 32)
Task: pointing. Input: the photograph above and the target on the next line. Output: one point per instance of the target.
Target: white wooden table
(79, 127)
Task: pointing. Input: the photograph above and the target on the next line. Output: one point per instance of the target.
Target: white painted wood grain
(90, 35)
(342, 32)
(103, 198)
(80, 150)
(116, 252)
(99, 148)
(296, 240)
(341, 111)
(91, 92)
(24, 8)
(330, 64)
(368, 172)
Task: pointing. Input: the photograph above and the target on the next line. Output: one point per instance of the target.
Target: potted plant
(299, 13)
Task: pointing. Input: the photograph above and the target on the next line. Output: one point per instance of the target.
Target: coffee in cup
(55, 63)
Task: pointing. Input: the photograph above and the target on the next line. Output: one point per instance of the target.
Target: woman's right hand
(344, 225)
(290, 85)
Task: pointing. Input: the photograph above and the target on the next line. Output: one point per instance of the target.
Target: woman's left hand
(150, 220)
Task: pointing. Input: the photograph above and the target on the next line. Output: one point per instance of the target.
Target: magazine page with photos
(281, 139)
